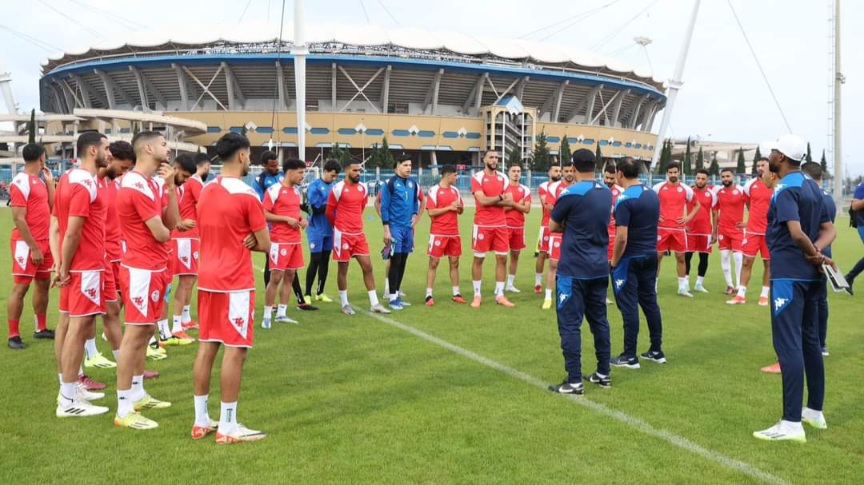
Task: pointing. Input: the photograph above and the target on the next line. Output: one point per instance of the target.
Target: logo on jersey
(680, 189)
(154, 296)
(734, 192)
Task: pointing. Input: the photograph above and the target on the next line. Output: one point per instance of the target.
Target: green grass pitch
(360, 401)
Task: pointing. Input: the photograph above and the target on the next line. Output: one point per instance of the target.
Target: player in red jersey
(516, 222)
(445, 205)
(700, 231)
(31, 198)
(77, 239)
(231, 222)
(345, 206)
(674, 217)
(282, 210)
(611, 180)
(543, 236)
(555, 239)
(491, 196)
(186, 245)
(758, 195)
(146, 227)
(729, 226)
(120, 160)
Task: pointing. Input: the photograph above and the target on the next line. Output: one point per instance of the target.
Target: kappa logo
(22, 261)
(184, 259)
(239, 322)
(138, 301)
(154, 296)
(563, 297)
(619, 283)
(139, 186)
(779, 302)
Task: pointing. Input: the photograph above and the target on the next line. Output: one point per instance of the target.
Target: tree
(338, 153)
(373, 159)
(564, 152)
(514, 157)
(700, 160)
(741, 167)
(809, 157)
(541, 159)
(243, 130)
(688, 161)
(824, 164)
(598, 155)
(714, 169)
(756, 158)
(387, 160)
(665, 155)
(31, 127)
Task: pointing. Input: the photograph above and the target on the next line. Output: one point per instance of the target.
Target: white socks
(228, 417)
(699, 280)
(164, 331)
(202, 416)
(177, 324)
(187, 315)
(455, 290)
(766, 290)
(477, 288)
(137, 391)
(538, 279)
(548, 294)
(125, 404)
(68, 391)
(742, 291)
(268, 313)
(373, 298)
(343, 297)
(726, 264)
(90, 350)
(428, 292)
(739, 262)
(510, 279)
(280, 310)
(683, 284)
(499, 288)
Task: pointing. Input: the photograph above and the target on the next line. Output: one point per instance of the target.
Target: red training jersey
(616, 191)
(542, 191)
(113, 234)
(348, 201)
(137, 202)
(515, 218)
(446, 224)
(730, 205)
(554, 191)
(77, 195)
(187, 202)
(283, 201)
(673, 203)
(228, 212)
(491, 186)
(30, 192)
(701, 223)
(759, 198)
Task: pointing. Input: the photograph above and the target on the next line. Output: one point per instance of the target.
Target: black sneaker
(16, 343)
(46, 334)
(625, 361)
(568, 388)
(604, 382)
(655, 356)
(849, 289)
(307, 307)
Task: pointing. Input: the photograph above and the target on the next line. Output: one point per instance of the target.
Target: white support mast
(299, 51)
(838, 84)
(674, 85)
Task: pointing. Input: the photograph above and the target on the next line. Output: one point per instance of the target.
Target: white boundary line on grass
(631, 421)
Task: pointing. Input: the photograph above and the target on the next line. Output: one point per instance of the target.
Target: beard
(701, 186)
(101, 160)
(555, 178)
(354, 179)
(492, 166)
(673, 180)
(205, 176)
(727, 183)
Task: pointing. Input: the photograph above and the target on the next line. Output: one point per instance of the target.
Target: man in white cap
(799, 228)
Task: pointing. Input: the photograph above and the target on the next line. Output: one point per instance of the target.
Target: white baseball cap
(792, 146)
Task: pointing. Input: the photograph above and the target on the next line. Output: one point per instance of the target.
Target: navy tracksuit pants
(795, 331)
(633, 280)
(577, 298)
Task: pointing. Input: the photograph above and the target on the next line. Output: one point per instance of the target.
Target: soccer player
(758, 199)
(143, 281)
(444, 206)
(543, 237)
(231, 222)
(491, 196)
(516, 222)
(611, 182)
(729, 227)
(582, 214)
(319, 232)
(388, 262)
(857, 216)
(674, 217)
(282, 210)
(187, 245)
(701, 229)
(31, 198)
(799, 229)
(77, 238)
(345, 206)
(634, 264)
(555, 238)
(120, 161)
(400, 209)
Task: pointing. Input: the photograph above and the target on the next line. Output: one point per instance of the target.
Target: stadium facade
(444, 96)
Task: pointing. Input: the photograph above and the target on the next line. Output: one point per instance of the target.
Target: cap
(792, 146)
(583, 155)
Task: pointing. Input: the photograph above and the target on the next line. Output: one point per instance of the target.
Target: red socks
(14, 331)
(40, 323)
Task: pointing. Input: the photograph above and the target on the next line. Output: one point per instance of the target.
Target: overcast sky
(724, 97)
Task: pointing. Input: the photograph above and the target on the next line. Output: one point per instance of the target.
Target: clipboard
(836, 279)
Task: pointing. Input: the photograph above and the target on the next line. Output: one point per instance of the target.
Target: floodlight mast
(299, 50)
(838, 85)
(674, 85)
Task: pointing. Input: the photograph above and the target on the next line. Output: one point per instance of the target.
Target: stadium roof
(533, 54)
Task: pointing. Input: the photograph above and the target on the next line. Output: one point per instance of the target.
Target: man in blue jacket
(320, 232)
(399, 211)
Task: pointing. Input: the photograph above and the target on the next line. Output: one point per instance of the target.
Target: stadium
(441, 96)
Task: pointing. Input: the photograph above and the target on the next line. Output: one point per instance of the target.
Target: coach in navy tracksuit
(582, 213)
(399, 211)
(634, 264)
(799, 227)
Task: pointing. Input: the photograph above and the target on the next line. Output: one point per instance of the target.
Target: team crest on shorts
(195, 255)
(480, 236)
(344, 245)
(437, 243)
(283, 252)
(154, 296)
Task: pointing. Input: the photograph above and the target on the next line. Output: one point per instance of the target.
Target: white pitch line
(631, 421)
